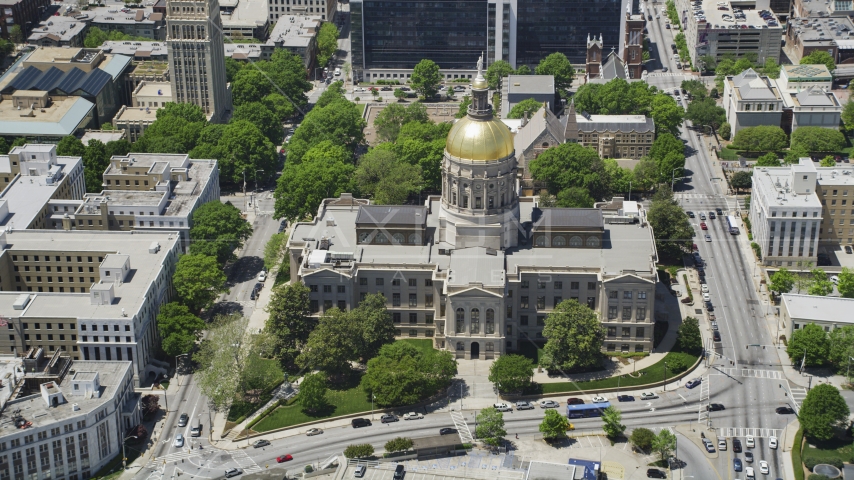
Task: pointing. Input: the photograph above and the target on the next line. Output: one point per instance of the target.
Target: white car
(313, 431)
(707, 297)
(412, 416)
(714, 325)
(722, 444)
(748, 472)
(749, 442)
(704, 288)
(262, 277)
(648, 396)
(763, 467)
(772, 442)
(834, 279)
(599, 399)
(179, 440)
(549, 404)
(359, 89)
(502, 407)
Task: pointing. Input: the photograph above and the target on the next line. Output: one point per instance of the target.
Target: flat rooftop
(822, 29)
(294, 31)
(115, 16)
(61, 118)
(54, 54)
(156, 89)
(531, 84)
(247, 13)
(129, 295)
(243, 51)
(33, 409)
(139, 50)
(839, 175)
(136, 114)
(823, 309)
(60, 28)
(27, 196)
(726, 19)
(104, 136)
(807, 73)
(125, 198)
(773, 180)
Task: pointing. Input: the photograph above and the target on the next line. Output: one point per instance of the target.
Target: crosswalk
(462, 427)
(245, 462)
(749, 372)
(172, 457)
(732, 432)
(798, 395)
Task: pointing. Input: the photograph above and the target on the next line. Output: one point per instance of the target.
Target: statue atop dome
(480, 65)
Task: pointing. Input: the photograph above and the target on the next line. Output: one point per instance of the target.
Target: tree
(150, 404)
(70, 146)
(845, 285)
(312, 393)
(523, 70)
(339, 122)
(176, 129)
(795, 154)
(399, 444)
(198, 280)
(554, 425)
(490, 426)
(218, 230)
(95, 37)
(496, 71)
(820, 285)
(645, 174)
(399, 94)
(828, 161)
(327, 42)
(772, 68)
(232, 66)
(741, 180)
(768, 160)
(574, 197)
(525, 108)
(782, 281)
(335, 91)
(764, 138)
(669, 155)
(574, 336)
(363, 450)
(302, 186)
(330, 346)
(725, 130)
(95, 162)
(118, 147)
(841, 347)
(511, 373)
(570, 165)
(274, 249)
(179, 329)
(823, 410)
(289, 321)
(819, 57)
(373, 326)
(611, 418)
(240, 146)
(6, 47)
(666, 114)
(424, 144)
(642, 438)
(558, 66)
(695, 88)
(810, 345)
(464, 107)
(705, 112)
(386, 179)
(664, 443)
(403, 375)
(848, 114)
(426, 78)
(393, 117)
(262, 117)
(688, 338)
(818, 139)
(673, 232)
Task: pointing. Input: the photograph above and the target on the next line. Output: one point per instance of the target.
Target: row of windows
(50, 289)
(49, 337)
(68, 258)
(836, 192)
(47, 268)
(396, 239)
(560, 241)
(627, 332)
(541, 285)
(412, 282)
(640, 313)
(524, 302)
(50, 279)
(624, 347)
(48, 326)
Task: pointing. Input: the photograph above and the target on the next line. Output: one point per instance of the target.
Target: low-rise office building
(39, 118)
(813, 107)
(147, 98)
(323, 10)
(296, 34)
(61, 31)
(820, 26)
(30, 177)
(796, 78)
(829, 313)
(243, 19)
(612, 136)
(515, 88)
(24, 14)
(138, 22)
(70, 427)
(751, 100)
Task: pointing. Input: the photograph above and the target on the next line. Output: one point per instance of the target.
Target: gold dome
(479, 140)
(480, 82)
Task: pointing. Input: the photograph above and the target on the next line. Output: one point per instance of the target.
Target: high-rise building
(196, 56)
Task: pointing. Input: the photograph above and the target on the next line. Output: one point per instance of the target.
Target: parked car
(707, 297)
(399, 471)
(360, 422)
(360, 471)
(502, 407)
(233, 472)
(412, 416)
(750, 441)
(183, 419)
(524, 405)
(262, 277)
(704, 287)
(574, 401)
(284, 458)
(549, 404)
(625, 398)
(710, 447)
(447, 431)
(703, 226)
(702, 216)
(655, 473)
(261, 443)
(313, 431)
(648, 396)
(599, 399)
(388, 418)
(719, 211)
(711, 215)
(690, 214)
(716, 336)
(693, 382)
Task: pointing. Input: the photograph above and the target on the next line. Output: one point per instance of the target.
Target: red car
(703, 226)
(284, 458)
(574, 401)
(694, 247)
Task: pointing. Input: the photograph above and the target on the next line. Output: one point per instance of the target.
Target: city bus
(732, 225)
(586, 410)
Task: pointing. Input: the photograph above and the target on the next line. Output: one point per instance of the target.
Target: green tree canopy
(176, 129)
(340, 122)
(782, 281)
(426, 78)
(770, 159)
(642, 438)
(688, 338)
(490, 426)
(362, 450)
(741, 180)
(673, 231)
(371, 325)
(463, 110)
(823, 410)
(232, 66)
(571, 165)
(240, 146)
(611, 418)
(841, 341)
(312, 393)
(846, 283)
(330, 346)
(848, 114)
(403, 375)
(262, 117)
(809, 343)
(668, 152)
(574, 197)
(179, 329)
(764, 138)
(695, 88)
(558, 66)
(574, 336)
(399, 444)
(385, 178)
(70, 146)
(327, 42)
(218, 229)
(289, 321)
(819, 57)
(198, 280)
(511, 373)
(616, 97)
(525, 108)
(664, 443)
(302, 186)
(554, 425)
(496, 71)
(394, 116)
(523, 70)
(666, 113)
(705, 112)
(820, 284)
(818, 139)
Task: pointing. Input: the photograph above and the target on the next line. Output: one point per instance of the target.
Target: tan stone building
(612, 136)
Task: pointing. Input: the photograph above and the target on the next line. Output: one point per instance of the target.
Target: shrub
(359, 450)
(811, 462)
(676, 366)
(816, 476)
(726, 130)
(756, 249)
(399, 444)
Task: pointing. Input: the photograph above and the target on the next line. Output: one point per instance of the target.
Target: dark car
(736, 464)
(260, 443)
(447, 431)
(736, 445)
(785, 410)
(253, 295)
(182, 421)
(690, 214)
(714, 407)
(712, 215)
(848, 249)
(716, 335)
(719, 211)
(574, 401)
(748, 457)
(655, 473)
(388, 418)
(398, 472)
(625, 398)
(693, 383)
(360, 422)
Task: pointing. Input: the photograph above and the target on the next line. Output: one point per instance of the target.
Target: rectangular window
(641, 295)
(612, 294)
(525, 284)
(363, 281)
(413, 318)
(541, 285)
(541, 303)
(641, 313)
(413, 300)
(639, 332)
(541, 320)
(395, 299)
(557, 301)
(559, 285)
(379, 281)
(413, 282)
(523, 302)
(612, 331)
(627, 332)
(627, 295)
(627, 313)
(612, 313)
(395, 317)
(428, 300)
(523, 320)
(591, 285)
(573, 285)
(342, 289)
(395, 282)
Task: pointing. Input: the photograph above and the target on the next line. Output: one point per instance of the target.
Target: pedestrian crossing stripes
(798, 394)
(245, 462)
(172, 457)
(731, 432)
(749, 372)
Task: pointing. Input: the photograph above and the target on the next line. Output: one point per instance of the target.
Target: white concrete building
(829, 313)
(751, 100)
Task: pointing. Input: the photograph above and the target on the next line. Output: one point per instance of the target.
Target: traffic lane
(694, 462)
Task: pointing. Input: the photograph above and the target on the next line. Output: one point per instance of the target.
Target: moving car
(655, 473)
(179, 440)
(722, 444)
(748, 456)
(785, 410)
(548, 404)
(313, 431)
(715, 407)
(260, 443)
(412, 416)
(599, 399)
(736, 464)
(233, 472)
(772, 442)
(574, 401)
(736, 445)
(182, 421)
(388, 418)
(763, 467)
(625, 398)
(648, 396)
(447, 431)
(708, 238)
(750, 442)
(360, 422)
(502, 407)
(703, 226)
(284, 458)
(748, 472)
(524, 405)
(693, 382)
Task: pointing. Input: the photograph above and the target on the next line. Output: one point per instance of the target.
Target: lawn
(344, 402)
(423, 345)
(240, 410)
(843, 449)
(727, 154)
(651, 374)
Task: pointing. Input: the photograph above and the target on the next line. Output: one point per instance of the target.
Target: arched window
(592, 241)
(414, 239)
(475, 320)
(545, 144)
(559, 241)
(461, 346)
(398, 238)
(461, 320)
(490, 347)
(490, 321)
(575, 241)
(542, 241)
(381, 238)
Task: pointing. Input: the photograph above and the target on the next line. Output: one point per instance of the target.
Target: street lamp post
(673, 178)
(665, 376)
(124, 456)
